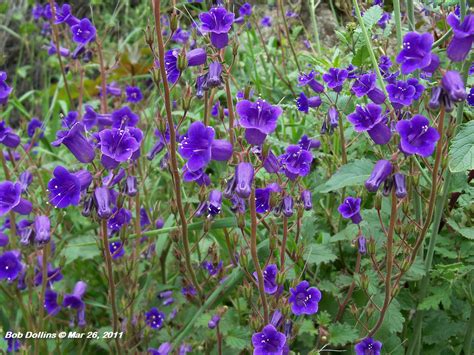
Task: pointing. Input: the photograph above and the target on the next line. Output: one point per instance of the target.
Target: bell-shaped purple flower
(366, 84)
(134, 94)
(74, 301)
(416, 52)
(368, 346)
(42, 229)
(65, 188)
(461, 43)
(416, 136)
(287, 206)
(269, 279)
(258, 118)
(5, 90)
(304, 299)
(370, 119)
(64, 15)
(335, 78)
(218, 23)
(196, 145)
(171, 65)
(403, 93)
(215, 202)
(10, 265)
(303, 103)
(120, 218)
(83, 32)
(268, 341)
(76, 142)
(307, 200)
(92, 118)
(309, 79)
(214, 321)
(116, 250)
(296, 162)
(103, 202)
(382, 170)
(454, 86)
(435, 98)
(362, 244)
(51, 302)
(198, 176)
(124, 117)
(53, 274)
(309, 144)
(221, 150)
(11, 200)
(350, 208)
(214, 76)
(197, 56)
(400, 185)
(7, 137)
(244, 174)
(262, 197)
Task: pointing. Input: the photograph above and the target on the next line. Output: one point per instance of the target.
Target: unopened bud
(235, 49)
(280, 279)
(174, 22)
(241, 220)
(371, 246)
(182, 61)
(378, 202)
(364, 282)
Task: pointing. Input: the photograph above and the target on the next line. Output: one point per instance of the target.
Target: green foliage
(461, 152)
(351, 174)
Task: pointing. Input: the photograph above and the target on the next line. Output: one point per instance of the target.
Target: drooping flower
(197, 56)
(304, 103)
(296, 161)
(454, 85)
(198, 176)
(400, 185)
(134, 94)
(52, 274)
(362, 244)
(416, 52)
(51, 302)
(164, 349)
(366, 85)
(76, 142)
(171, 65)
(262, 197)
(244, 174)
(218, 23)
(268, 341)
(309, 144)
(83, 32)
(304, 299)
(92, 118)
(74, 301)
(195, 146)
(180, 36)
(103, 202)
(65, 188)
(7, 137)
(309, 79)
(63, 52)
(386, 17)
(215, 202)
(11, 200)
(214, 76)
(5, 90)
(42, 229)
(269, 279)
(64, 15)
(335, 78)
(214, 321)
(221, 150)
(287, 206)
(350, 208)
(381, 171)
(368, 346)
(116, 250)
(258, 118)
(370, 119)
(461, 43)
(307, 200)
(417, 137)
(10, 265)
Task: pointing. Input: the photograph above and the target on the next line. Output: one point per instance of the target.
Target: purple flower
(266, 21)
(416, 52)
(215, 202)
(37, 12)
(370, 119)
(303, 103)
(417, 137)
(368, 346)
(258, 118)
(307, 200)
(76, 142)
(63, 15)
(244, 174)
(308, 144)
(33, 125)
(124, 117)
(198, 176)
(287, 206)
(362, 244)
(196, 145)
(10, 199)
(51, 302)
(5, 90)
(83, 32)
(400, 185)
(10, 265)
(335, 78)
(171, 65)
(92, 118)
(309, 79)
(164, 348)
(120, 218)
(262, 197)
(269, 279)
(366, 85)
(64, 52)
(304, 299)
(134, 94)
(470, 97)
(65, 188)
(42, 229)
(214, 76)
(180, 36)
(111, 89)
(461, 43)
(214, 321)
(70, 119)
(403, 93)
(217, 22)
(53, 274)
(119, 145)
(454, 86)
(296, 162)
(197, 56)
(381, 171)
(7, 137)
(350, 208)
(221, 150)
(103, 202)
(382, 23)
(268, 341)
(116, 250)
(74, 301)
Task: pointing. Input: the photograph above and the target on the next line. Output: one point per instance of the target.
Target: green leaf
(416, 271)
(237, 338)
(464, 231)
(438, 295)
(319, 254)
(361, 55)
(342, 334)
(351, 174)
(461, 152)
(372, 16)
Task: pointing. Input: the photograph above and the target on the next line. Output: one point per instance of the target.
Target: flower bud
(280, 279)
(243, 179)
(454, 86)
(214, 75)
(197, 56)
(182, 61)
(371, 246)
(288, 206)
(382, 169)
(307, 200)
(174, 22)
(435, 99)
(88, 206)
(131, 185)
(102, 201)
(362, 245)
(400, 185)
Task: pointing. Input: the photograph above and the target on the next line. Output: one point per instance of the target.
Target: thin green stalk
(469, 333)
(398, 22)
(312, 9)
(411, 15)
(290, 42)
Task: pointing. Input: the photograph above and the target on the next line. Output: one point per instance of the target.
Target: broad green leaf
(319, 254)
(238, 338)
(461, 152)
(466, 232)
(438, 295)
(342, 334)
(351, 174)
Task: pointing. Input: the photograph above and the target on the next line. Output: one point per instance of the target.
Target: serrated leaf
(439, 295)
(461, 152)
(372, 16)
(238, 338)
(342, 334)
(416, 271)
(351, 174)
(319, 254)
(466, 232)
(361, 55)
